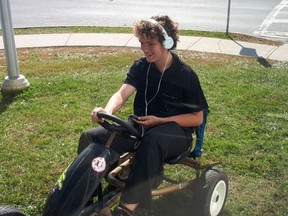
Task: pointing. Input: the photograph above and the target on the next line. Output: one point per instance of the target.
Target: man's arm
(184, 120)
(115, 103)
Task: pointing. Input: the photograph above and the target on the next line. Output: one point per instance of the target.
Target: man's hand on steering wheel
(94, 117)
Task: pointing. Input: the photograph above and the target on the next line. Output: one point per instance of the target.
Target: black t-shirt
(180, 90)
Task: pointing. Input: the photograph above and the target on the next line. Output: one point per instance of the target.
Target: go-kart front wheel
(211, 192)
(10, 211)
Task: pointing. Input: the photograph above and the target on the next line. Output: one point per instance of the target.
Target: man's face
(152, 49)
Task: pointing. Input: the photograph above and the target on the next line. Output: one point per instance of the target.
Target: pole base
(15, 85)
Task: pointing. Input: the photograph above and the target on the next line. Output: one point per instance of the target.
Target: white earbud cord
(158, 88)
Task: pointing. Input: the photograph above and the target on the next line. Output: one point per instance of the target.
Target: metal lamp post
(228, 17)
(14, 81)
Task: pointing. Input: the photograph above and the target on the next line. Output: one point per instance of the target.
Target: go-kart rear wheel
(211, 192)
(10, 211)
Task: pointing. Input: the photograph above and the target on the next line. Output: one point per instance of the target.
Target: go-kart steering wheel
(129, 128)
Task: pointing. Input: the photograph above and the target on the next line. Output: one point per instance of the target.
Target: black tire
(10, 211)
(211, 192)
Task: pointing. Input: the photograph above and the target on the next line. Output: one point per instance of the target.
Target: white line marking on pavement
(271, 18)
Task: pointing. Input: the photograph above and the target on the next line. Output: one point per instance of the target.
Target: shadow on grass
(246, 51)
(6, 100)
(176, 204)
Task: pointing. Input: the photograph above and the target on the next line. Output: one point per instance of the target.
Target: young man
(169, 102)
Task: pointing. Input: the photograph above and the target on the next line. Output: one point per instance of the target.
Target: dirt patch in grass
(53, 52)
(254, 39)
(193, 58)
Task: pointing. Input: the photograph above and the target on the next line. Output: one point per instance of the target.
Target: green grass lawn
(247, 126)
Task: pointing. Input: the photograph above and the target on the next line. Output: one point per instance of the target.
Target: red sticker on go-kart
(98, 164)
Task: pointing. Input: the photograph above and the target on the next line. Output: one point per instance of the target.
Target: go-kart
(92, 182)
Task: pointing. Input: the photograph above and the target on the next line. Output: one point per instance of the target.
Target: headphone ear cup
(168, 42)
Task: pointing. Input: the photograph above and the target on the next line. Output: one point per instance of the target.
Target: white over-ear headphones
(168, 41)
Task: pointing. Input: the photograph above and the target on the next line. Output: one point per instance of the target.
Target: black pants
(159, 143)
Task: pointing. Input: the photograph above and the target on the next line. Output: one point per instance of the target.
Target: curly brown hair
(145, 28)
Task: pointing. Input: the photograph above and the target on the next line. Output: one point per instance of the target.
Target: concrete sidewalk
(201, 44)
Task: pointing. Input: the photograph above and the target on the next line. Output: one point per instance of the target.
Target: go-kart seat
(197, 151)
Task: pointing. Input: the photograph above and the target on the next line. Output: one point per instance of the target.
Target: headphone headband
(168, 41)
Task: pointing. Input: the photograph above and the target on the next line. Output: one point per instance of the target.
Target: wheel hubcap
(218, 198)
